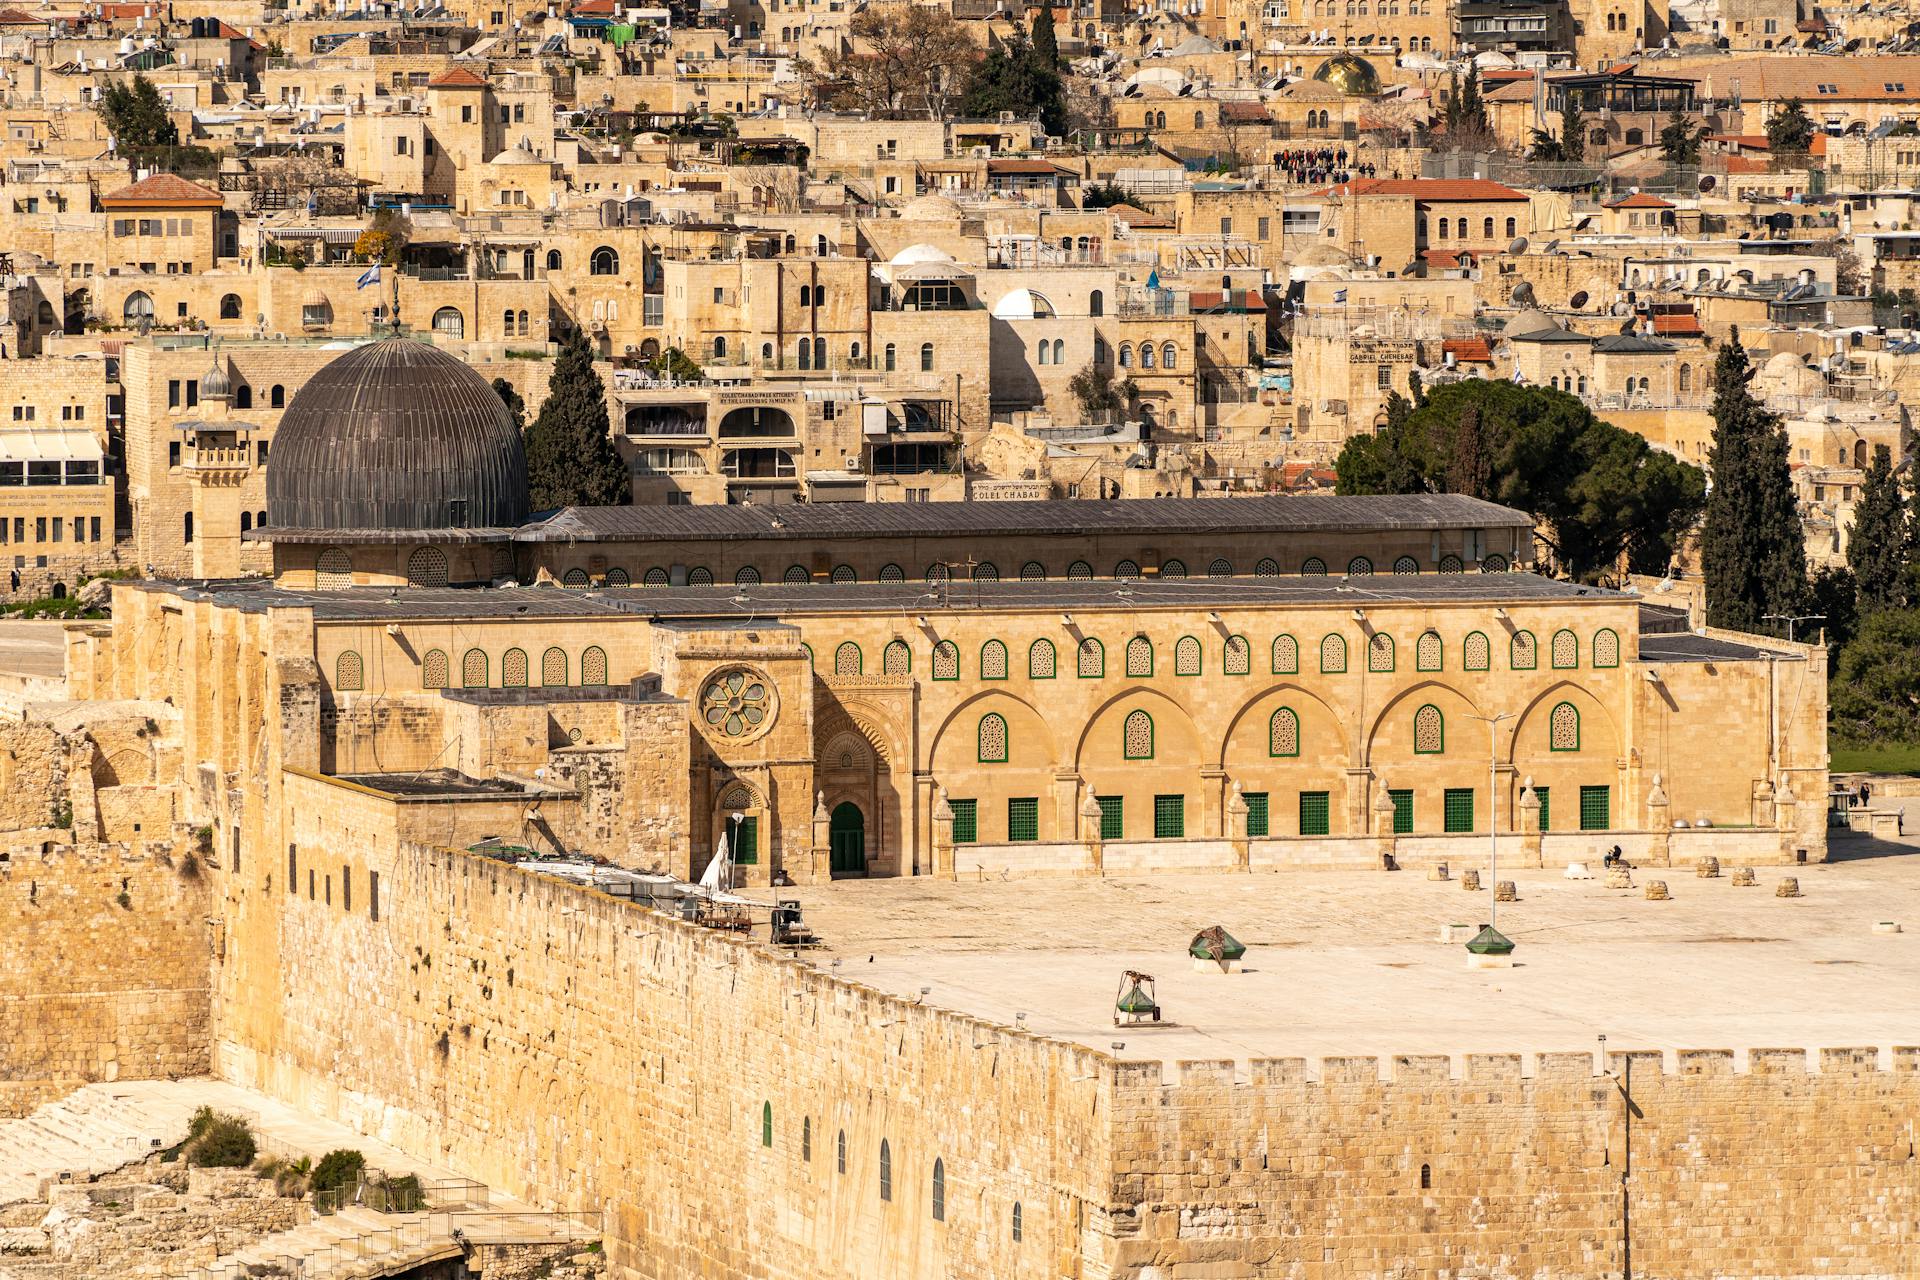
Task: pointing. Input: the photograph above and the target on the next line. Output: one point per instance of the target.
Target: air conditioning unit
(852, 462)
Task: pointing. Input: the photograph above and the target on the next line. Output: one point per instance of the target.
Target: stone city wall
(583, 1054)
(103, 968)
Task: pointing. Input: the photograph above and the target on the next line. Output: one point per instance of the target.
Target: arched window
(1126, 355)
(1268, 567)
(1429, 731)
(1126, 570)
(993, 661)
(766, 1124)
(896, 659)
(939, 1191)
(654, 577)
(1426, 1177)
(806, 1138)
(1080, 571)
(1139, 656)
(993, 738)
(243, 397)
(1059, 350)
(1033, 571)
(1406, 566)
(886, 1170)
(1186, 656)
(1565, 651)
(986, 572)
(1686, 378)
(1606, 647)
(1486, 228)
(892, 573)
(276, 397)
(1096, 303)
(1380, 655)
(427, 567)
(840, 1152)
(1046, 352)
(719, 346)
(796, 575)
(1220, 568)
(577, 577)
(1359, 567)
(334, 570)
(513, 669)
(1563, 728)
(1041, 660)
(1523, 654)
(349, 672)
(433, 669)
(1236, 656)
(473, 670)
(1451, 564)
(1169, 356)
(846, 659)
(698, 576)
(1462, 224)
(937, 572)
(1146, 355)
(891, 355)
(1173, 568)
(745, 576)
(186, 527)
(138, 307)
(1092, 659)
(1286, 656)
(1427, 651)
(230, 306)
(604, 262)
(1476, 654)
(1018, 1224)
(593, 667)
(946, 661)
(1494, 564)
(1313, 567)
(1136, 736)
(1333, 655)
(553, 260)
(449, 323)
(843, 573)
(926, 357)
(553, 668)
(1283, 733)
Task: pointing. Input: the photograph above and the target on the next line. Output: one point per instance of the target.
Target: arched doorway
(847, 840)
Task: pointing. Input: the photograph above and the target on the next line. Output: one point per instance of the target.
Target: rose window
(735, 704)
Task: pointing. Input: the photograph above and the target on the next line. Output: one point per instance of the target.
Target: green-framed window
(993, 660)
(473, 669)
(1169, 817)
(993, 744)
(1136, 736)
(1283, 733)
(1186, 656)
(1041, 660)
(812, 662)
(1256, 812)
(1596, 808)
(1286, 656)
(513, 669)
(1429, 652)
(896, 659)
(433, 669)
(1236, 656)
(1091, 659)
(766, 1124)
(1606, 647)
(1316, 813)
(1429, 731)
(1380, 653)
(1402, 811)
(966, 820)
(848, 660)
(349, 672)
(1139, 656)
(1023, 819)
(1457, 810)
(553, 668)
(1333, 654)
(1544, 796)
(1563, 728)
(946, 661)
(1565, 650)
(1476, 652)
(1523, 652)
(746, 841)
(1113, 817)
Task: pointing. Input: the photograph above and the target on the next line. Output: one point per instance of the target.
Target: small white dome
(914, 254)
(1023, 304)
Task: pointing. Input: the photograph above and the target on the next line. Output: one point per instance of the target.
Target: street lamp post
(1493, 809)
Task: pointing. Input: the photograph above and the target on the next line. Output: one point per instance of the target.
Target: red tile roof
(1639, 200)
(1135, 216)
(15, 18)
(1682, 324)
(1024, 166)
(1444, 189)
(1747, 164)
(162, 191)
(1468, 350)
(457, 78)
(1244, 112)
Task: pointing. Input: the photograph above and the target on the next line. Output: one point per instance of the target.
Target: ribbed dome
(396, 435)
(215, 384)
(1350, 74)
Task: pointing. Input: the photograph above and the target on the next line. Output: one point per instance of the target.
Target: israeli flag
(370, 276)
(1339, 295)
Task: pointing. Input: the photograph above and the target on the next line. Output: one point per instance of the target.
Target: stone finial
(1783, 794)
(942, 811)
(1528, 800)
(1504, 891)
(1707, 868)
(1470, 880)
(1236, 803)
(1789, 887)
(1090, 807)
(1657, 798)
(1657, 891)
(1743, 878)
(820, 806)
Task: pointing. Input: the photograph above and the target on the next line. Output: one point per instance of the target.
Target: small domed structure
(919, 254)
(930, 207)
(1351, 74)
(215, 384)
(396, 435)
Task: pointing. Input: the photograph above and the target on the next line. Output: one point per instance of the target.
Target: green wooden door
(847, 840)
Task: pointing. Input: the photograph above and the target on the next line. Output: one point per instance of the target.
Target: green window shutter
(1402, 812)
(1169, 817)
(746, 840)
(1314, 810)
(1023, 819)
(966, 820)
(1256, 812)
(1540, 794)
(1458, 810)
(1113, 824)
(1595, 809)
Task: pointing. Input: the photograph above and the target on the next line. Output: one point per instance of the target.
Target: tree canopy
(1752, 549)
(1878, 545)
(136, 116)
(571, 460)
(902, 59)
(1603, 493)
(1874, 697)
(1790, 128)
(1019, 78)
(1680, 139)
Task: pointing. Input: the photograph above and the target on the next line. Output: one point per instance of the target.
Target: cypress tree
(1046, 45)
(1752, 550)
(571, 461)
(1877, 545)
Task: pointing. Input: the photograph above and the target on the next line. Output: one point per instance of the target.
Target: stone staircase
(92, 1131)
(354, 1242)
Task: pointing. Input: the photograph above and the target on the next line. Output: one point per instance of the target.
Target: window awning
(50, 446)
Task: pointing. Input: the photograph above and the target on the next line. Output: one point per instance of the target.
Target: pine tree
(1752, 550)
(136, 116)
(571, 460)
(1877, 545)
(1046, 45)
(1573, 132)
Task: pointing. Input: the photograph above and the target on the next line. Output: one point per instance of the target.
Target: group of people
(1320, 164)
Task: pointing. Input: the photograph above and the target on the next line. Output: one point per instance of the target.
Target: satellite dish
(1523, 293)
(1578, 300)
(1518, 247)
(1707, 182)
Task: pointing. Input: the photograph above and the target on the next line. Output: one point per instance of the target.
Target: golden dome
(1350, 74)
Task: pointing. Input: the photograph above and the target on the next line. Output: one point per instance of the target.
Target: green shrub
(338, 1168)
(217, 1141)
(397, 1195)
